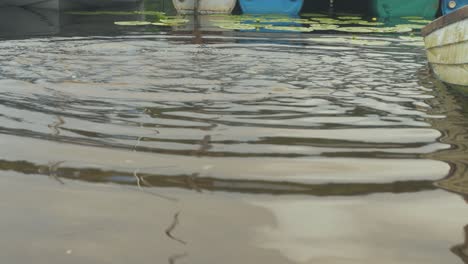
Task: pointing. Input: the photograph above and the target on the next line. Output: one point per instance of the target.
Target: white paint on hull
(205, 6)
(451, 73)
(447, 52)
(454, 33)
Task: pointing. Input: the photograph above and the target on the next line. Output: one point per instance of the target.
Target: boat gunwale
(446, 20)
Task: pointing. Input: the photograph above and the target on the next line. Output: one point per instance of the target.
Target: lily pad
(236, 26)
(413, 26)
(350, 17)
(132, 23)
(274, 19)
(367, 23)
(412, 17)
(323, 27)
(375, 29)
(173, 21)
(286, 28)
(420, 21)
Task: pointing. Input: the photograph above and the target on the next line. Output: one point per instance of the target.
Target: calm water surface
(126, 145)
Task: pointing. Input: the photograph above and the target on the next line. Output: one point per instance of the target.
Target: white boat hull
(447, 51)
(204, 6)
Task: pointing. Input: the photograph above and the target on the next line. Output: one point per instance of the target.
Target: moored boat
(446, 41)
(448, 6)
(288, 7)
(388, 8)
(401, 8)
(204, 6)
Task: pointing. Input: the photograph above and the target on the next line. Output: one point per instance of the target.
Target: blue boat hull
(449, 6)
(287, 7)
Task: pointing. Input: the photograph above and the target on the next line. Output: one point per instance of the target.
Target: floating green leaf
(412, 17)
(323, 27)
(367, 23)
(413, 26)
(420, 21)
(173, 21)
(236, 26)
(350, 17)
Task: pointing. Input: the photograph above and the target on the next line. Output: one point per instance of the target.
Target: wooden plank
(456, 16)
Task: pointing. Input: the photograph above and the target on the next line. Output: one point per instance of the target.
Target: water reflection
(167, 138)
(451, 101)
(461, 250)
(17, 21)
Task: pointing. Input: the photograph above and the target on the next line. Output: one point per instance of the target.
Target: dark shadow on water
(216, 184)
